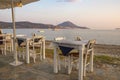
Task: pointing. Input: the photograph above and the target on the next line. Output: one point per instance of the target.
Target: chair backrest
(36, 39)
(77, 38)
(20, 41)
(36, 42)
(1, 39)
(90, 44)
(5, 38)
(8, 36)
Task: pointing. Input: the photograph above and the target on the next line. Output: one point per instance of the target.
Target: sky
(95, 14)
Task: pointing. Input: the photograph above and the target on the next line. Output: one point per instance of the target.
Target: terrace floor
(43, 70)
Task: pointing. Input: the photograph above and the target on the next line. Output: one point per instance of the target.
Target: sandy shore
(105, 49)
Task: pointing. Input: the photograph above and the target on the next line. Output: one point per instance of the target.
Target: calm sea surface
(102, 36)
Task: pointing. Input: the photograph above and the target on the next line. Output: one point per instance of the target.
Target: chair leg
(9, 48)
(84, 65)
(34, 59)
(91, 62)
(65, 62)
(2, 50)
(69, 65)
(59, 63)
(77, 66)
(23, 56)
(19, 55)
(41, 58)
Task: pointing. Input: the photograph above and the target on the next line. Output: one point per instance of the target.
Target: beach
(110, 50)
(100, 49)
(43, 70)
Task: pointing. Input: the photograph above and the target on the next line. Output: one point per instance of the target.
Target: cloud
(70, 0)
(66, 0)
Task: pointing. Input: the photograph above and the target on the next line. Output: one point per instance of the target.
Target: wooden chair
(61, 55)
(8, 39)
(36, 43)
(21, 47)
(3, 44)
(88, 53)
(66, 57)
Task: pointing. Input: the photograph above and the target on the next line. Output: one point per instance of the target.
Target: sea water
(111, 37)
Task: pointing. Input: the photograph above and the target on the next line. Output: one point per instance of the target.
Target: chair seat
(75, 54)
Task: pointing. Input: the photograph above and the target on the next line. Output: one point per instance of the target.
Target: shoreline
(103, 49)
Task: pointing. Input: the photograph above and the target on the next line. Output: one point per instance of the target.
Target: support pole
(16, 62)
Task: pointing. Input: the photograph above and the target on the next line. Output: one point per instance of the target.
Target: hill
(117, 28)
(26, 24)
(68, 24)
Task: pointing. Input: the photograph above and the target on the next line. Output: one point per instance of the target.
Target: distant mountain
(117, 28)
(26, 24)
(68, 24)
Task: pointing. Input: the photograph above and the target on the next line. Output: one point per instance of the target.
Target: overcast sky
(95, 14)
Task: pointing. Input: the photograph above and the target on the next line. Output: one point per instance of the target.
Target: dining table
(78, 45)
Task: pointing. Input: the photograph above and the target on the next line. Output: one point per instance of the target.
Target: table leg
(55, 61)
(27, 52)
(80, 73)
(5, 46)
(91, 61)
(12, 45)
(43, 46)
(69, 65)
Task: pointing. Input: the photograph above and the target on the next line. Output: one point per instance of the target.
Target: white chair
(61, 55)
(8, 38)
(21, 47)
(87, 56)
(3, 44)
(67, 59)
(35, 48)
(36, 43)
